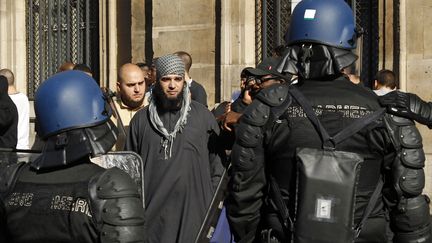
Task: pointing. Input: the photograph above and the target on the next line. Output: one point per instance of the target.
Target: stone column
(237, 44)
(13, 40)
(416, 64)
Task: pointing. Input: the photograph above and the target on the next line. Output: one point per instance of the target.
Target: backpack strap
(351, 129)
(371, 204)
(280, 204)
(307, 107)
(357, 125)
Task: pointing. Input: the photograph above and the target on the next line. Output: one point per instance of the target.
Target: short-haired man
(146, 69)
(175, 137)
(83, 68)
(197, 91)
(385, 82)
(66, 66)
(131, 89)
(23, 106)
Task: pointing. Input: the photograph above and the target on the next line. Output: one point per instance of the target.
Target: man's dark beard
(131, 103)
(165, 103)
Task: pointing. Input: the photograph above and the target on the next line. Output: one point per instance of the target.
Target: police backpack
(326, 185)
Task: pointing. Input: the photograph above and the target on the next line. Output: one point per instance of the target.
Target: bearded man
(176, 138)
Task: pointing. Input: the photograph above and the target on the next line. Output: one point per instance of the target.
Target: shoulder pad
(116, 206)
(248, 135)
(115, 183)
(403, 131)
(8, 176)
(400, 121)
(256, 114)
(412, 181)
(274, 95)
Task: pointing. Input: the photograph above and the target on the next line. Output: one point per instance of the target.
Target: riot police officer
(62, 196)
(320, 41)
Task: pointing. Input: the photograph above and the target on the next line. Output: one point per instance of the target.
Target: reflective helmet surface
(328, 22)
(67, 101)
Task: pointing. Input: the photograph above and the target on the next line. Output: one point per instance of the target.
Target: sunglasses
(258, 80)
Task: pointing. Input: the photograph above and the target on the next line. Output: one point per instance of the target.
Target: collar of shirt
(383, 91)
(125, 107)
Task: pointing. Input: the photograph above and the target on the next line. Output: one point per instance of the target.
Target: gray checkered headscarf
(166, 65)
(169, 64)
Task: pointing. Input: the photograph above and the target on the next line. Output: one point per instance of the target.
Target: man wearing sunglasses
(263, 76)
(257, 79)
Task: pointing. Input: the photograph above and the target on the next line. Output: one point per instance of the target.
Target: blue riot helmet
(69, 100)
(327, 22)
(321, 39)
(73, 119)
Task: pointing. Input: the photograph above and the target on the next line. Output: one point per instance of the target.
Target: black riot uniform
(275, 125)
(262, 148)
(62, 196)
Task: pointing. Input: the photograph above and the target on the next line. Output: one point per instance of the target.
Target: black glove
(408, 105)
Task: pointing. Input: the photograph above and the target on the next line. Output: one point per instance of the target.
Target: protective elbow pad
(256, 114)
(407, 169)
(414, 158)
(422, 235)
(244, 158)
(410, 214)
(248, 136)
(412, 181)
(117, 208)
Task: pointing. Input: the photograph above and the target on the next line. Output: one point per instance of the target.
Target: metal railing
(272, 21)
(59, 31)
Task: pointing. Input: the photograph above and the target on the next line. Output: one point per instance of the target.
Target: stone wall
(190, 26)
(237, 44)
(13, 40)
(180, 26)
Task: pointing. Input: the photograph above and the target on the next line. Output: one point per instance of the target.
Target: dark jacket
(198, 93)
(8, 117)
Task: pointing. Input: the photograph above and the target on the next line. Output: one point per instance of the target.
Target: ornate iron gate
(59, 31)
(271, 21)
(273, 18)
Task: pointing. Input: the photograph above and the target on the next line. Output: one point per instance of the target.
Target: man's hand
(231, 118)
(408, 105)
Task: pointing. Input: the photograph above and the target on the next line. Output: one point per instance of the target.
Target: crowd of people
(312, 154)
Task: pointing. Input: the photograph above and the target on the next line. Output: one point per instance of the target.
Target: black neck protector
(69, 147)
(315, 61)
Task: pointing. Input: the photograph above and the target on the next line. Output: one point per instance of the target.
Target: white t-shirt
(23, 106)
(383, 91)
